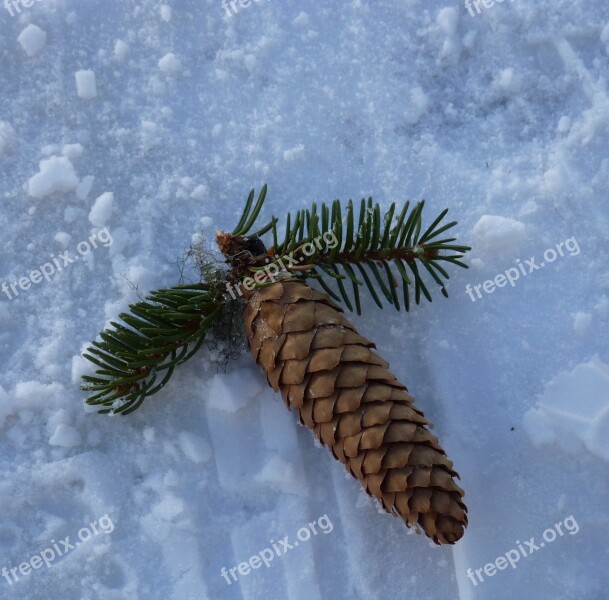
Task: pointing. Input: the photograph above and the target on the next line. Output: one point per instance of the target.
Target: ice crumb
(508, 83)
(165, 12)
(501, 236)
(530, 208)
(56, 175)
(65, 436)
(448, 19)
(63, 238)
(120, 50)
(170, 63)
(294, 153)
(72, 151)
(86, 86)
(101, 210)
(206, 222)
(194, 447)
(32, 39)
(199, 192)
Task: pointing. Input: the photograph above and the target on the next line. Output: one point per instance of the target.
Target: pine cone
(345, 393)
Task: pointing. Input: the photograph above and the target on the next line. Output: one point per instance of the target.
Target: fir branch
(160, 333)
(386, 249)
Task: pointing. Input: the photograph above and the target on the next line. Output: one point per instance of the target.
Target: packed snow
(151, 121)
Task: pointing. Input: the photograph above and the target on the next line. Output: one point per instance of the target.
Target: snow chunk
(120, 49)
(165, 11)
(32, 40)
(63, 238)
(294, 153)
(56, 175)
(65, 436)
(448, 19)
(194, 447)
(72, 151)
(574, 408)
(231, 392)
(500, 236)
(508, 83)
(170, 63)
(199, 192)
(86, 87)
(101, 210)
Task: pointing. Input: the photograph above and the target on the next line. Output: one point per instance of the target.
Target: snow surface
(502, 117)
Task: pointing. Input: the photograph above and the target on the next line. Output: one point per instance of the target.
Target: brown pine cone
(345, 393)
